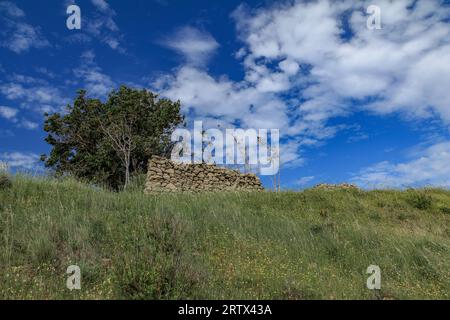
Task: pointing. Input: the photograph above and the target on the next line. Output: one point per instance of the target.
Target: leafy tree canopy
(107, 142)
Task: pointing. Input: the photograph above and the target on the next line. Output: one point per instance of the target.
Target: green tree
(108, 142)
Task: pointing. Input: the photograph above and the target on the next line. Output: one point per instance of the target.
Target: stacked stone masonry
(167, 176)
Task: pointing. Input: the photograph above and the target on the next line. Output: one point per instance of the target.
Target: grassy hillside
(305, 245)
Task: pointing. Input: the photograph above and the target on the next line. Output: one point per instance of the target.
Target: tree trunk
(127, 177)
(127, 173)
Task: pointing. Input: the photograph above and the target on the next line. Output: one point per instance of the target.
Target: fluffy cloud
(30, 94)
(102, 5)
(430, 167)
(304, 180)
(8, 113)
(403, 67)
(34, 94)
(235, 104)
(307, 62)
(17, 35)
(11, 9)
(222, 98)
(40, 96)
(99, 24)
(20, 160)
(196, 46)
(27, 124)
(96, 82)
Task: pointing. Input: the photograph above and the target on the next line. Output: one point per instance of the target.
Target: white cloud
(25, 37)
(31, 94)
(27, 124)
(95, 81)
(209, 96)
(8, 112)
(37, 97)
(430, 167)
(102, 5)
(195, 45)
(300, 71)
(20, 160)
(41, 96)
(406, 65)
(88, 56)
(288, 66)
(98, 24)
(231, 102)
(304, 180)
(101, 25)
(357, 137)
(20, 78)
(11, 9)
(17, 35)
(46, 72)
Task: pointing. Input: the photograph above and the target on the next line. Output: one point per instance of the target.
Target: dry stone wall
(326, 186)
(167, 176)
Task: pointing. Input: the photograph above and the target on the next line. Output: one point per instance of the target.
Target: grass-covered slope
(313, 244)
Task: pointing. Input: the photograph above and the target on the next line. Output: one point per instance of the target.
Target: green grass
(314, 244)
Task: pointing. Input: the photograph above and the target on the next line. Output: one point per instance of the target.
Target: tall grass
(315, 244)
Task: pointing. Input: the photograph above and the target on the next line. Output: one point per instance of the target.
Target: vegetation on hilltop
(314, 244)
(106, 143)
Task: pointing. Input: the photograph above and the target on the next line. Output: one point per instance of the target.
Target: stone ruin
(345, 186)
(4, 167)
(165, 175)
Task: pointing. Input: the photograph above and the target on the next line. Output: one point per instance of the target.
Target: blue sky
(352, 104)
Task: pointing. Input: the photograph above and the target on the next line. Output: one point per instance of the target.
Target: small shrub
(98, 231)
(5, 182)
(137, 183)
(421, 200)
(375, 216)
(445, 210)
(160, 268)
(316, 229)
